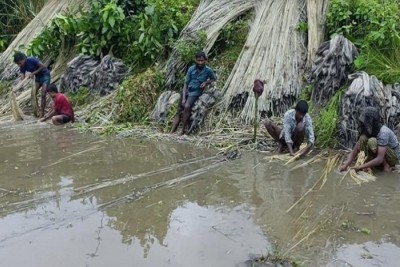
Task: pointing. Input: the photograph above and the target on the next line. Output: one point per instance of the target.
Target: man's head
(370, 122)
(301, 110)
(52, 90)
(201, 59)
(19, 59)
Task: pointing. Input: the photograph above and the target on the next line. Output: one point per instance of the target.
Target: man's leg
(190, 100)
(60, 119)
(43, 99)
(275, 132)
(177, 118)
(390, 156)
(298, 136)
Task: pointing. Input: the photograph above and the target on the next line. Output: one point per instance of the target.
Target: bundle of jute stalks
(332, 66)
(102, 77)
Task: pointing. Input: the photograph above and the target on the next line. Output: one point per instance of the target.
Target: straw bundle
(275, 52)
(102, 77)
(331, 69)
(316, 13)
(200, 109)
(362, 176)
(164, 102)
(34, 102)
(16, 111)
(367, 91)
(9, 70)
(211, 16)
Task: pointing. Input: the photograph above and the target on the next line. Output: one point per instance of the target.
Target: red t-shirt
(63, 107)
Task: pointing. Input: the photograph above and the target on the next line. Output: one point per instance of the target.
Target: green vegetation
(326, 124)
(80, 98)
(14, 16)
(109, 27)
(5, 87)
(137, 96)
(186, 48)
(374, 26)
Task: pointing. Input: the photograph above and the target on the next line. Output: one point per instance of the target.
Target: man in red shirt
(62, 110)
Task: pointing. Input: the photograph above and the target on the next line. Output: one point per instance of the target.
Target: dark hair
(200, 54)
(18, 56)
(302, 107)
(52, 88)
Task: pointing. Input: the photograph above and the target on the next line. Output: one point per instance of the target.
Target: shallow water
(70, 199)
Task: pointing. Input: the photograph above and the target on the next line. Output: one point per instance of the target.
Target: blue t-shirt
(31, 65)
(194, 79)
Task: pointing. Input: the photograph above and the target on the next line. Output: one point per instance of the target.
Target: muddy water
(70, 199)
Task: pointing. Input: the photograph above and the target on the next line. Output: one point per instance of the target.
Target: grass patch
(137, 96)
(5, 87)
(326, 124)
(80, 98)
(384, 64)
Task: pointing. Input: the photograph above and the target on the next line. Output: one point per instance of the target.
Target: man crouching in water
(62, 111)
(378, 142)
(296, 124)
(198, 77)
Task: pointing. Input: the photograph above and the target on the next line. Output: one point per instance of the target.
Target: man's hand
(343, 168)
(356, 169)
(203, 85)
(31, 75)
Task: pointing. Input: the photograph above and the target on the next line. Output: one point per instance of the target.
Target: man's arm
(287, 132)
(378, 160)
(41, 67)
(211, 78)
(309, 130)
(49, 115)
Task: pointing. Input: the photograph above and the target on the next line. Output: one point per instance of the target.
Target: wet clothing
(32, 65)
(289, 126)
(65, 119)
(195, 77)
(45, 79)
(63, 107)
(370, 147)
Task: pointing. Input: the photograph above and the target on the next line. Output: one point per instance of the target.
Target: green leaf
(105, 15)
(141, 37)
(111, 21)
(104, 30)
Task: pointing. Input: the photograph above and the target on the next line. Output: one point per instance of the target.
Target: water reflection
(125, 202)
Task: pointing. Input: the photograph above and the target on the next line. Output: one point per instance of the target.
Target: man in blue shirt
(38, 70)
(198, 77)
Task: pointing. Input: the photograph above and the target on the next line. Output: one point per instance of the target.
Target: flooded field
(70, 199)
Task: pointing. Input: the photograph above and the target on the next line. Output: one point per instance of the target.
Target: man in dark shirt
(198, 77)
(62, 111)
(38, 70)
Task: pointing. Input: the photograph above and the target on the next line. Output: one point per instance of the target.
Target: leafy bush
(187, 48)
(365, 22)
(374, 26)
(81, 97)
(138, 94)
(136, 31)
(14, 16)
